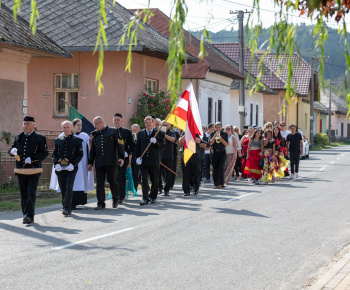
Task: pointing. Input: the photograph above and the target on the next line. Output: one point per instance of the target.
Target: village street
(241, 237)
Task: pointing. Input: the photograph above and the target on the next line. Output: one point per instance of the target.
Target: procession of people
(257, 155)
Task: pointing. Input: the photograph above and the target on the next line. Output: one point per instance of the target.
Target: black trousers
(112, 173)
(238, 166)
(122, 179)
(173, 168)
(202, 167)
(207, 162)
(294, 161)
(66, 182)
(166, 174)
(153, 172)
(218, 160)
(191, 173)
(136, 175)
(27, 187)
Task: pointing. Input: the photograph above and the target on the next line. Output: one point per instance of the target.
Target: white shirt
(239, 147)
(287, 132)
(230, 148)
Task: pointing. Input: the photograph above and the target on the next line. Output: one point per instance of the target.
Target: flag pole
(155, 135)
(149, 144)
(167, 168)
(67, 103)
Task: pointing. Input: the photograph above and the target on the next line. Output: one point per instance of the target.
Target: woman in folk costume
(254, 154)
(269, 157)
(231, 153)
(84, 180)
(244, 144)
(280, 149)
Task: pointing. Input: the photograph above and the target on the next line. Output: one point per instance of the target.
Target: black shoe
(65, 212)
(120, 201)
(166, 193)
(99, 207)
(187, 194)
(196, 193)
(115, 204)
(144, 202)
(153, 201)
(27, 220)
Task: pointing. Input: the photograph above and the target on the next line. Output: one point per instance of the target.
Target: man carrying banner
(186, 117)
(30, 149)
(147, 155)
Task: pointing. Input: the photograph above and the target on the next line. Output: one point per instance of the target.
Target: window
(66, 90)
(251, 114)
(257, 116)
(151, 85)
(220, 111)
(210, 109)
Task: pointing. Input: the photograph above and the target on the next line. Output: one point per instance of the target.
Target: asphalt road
(245, 236)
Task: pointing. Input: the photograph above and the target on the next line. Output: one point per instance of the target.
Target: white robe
(84, 180)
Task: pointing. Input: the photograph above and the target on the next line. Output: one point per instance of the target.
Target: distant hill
(333, 48)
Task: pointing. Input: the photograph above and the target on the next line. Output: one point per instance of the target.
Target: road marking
(93, 239)
(322, 168)
(239, 197)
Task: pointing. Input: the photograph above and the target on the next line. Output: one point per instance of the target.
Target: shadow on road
(239, 212)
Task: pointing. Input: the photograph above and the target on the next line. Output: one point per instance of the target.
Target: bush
(152, 103)
(321, 140)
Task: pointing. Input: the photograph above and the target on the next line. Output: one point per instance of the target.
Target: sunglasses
(227, 129)
(282, 125)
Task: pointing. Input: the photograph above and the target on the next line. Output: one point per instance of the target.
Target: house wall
(13, 84)
(337, 120)
(118, 85)
(304, 117)
(317, 124)
(254, 99)
(216, 87)
(273, 108)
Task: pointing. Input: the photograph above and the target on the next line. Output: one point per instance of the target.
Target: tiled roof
(211, 61)
(18, 36)
(235, 83)
(74, 25)
(301, 70)
(320, 107)
(270, 78)
(338, 104)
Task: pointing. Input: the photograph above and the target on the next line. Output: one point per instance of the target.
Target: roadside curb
(331, 274)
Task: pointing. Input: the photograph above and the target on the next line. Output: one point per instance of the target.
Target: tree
(282, 31)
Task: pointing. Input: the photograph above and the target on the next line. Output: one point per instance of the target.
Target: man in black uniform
(126, 136)
(66, 156)
(167, 157)
(218, 142)
(30, 149)
(191, 172)
(150, 161)
(107, 151)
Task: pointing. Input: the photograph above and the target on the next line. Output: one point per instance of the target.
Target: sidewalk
(338, 277)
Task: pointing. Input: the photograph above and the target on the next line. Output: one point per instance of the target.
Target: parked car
(306, 149)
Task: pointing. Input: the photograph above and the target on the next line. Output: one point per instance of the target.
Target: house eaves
(18, 36)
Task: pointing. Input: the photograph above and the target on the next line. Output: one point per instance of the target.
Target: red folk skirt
(252, 166)
(244, 160)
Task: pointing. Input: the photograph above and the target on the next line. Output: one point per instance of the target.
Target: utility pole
(312, 99)
(330, 110)
(241, 107)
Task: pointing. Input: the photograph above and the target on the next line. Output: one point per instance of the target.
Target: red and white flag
(186, 117)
